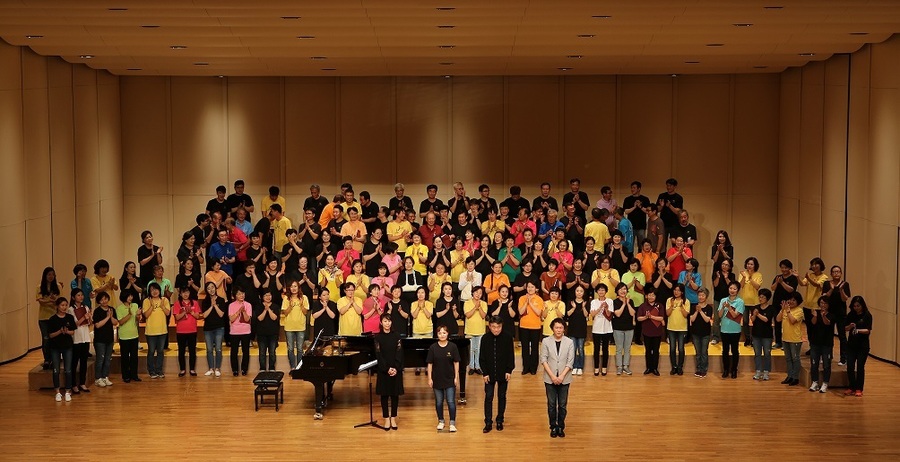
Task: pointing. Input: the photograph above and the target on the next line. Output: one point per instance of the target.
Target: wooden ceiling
(444, 37)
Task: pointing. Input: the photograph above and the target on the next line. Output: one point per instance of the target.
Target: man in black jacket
(497, 363)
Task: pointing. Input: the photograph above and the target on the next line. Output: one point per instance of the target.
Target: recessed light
(290, 18)
(773, 7)
(806, 54)
(446, 47)
(760, 67)
(220, 76)
(446, 63)
(564, 68)
(446, 76)
(178, 47)
(150, 26)
(446, 26)
(31, 37)
(673, 75)
(742, 24)
(574, 56)
(329, 69)
(859, 33)
(692, 62)
(445, 8)
(201, 64)
(318, 58)
(306, 37)
(117, 9)
(715, 44)
(86, 56)
(585, 35)
(601, 16)
(134, 69)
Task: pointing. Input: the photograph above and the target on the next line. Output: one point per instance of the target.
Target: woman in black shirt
(389, 353)
(701, 319)
(447, 309)
(103, 318)
(61, 327)
(129, 282)
(188, 277)
(859, 328)
(213, 309)
(721, 279)
(623, 328)
(506, 310)
(266, 314)
(761, 319)
(576, 318)
(325, 314)
(443, 376)
(399, 311)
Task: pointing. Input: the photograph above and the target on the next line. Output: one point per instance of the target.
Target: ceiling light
(601, 16)
(117, 9)
(306, 37)
(134, 69)
(715, 44)
(178, 47)
(773, 7)
(760, 67)
(574, 56)
(201, 64)
(445, 8)
(150, 26)
(585, 35)
(564, 68)
(859, 33)
(446, 26)
(674, 75)
(86, 56)
(329, 69)
(318, 58)
(742, 24)
(692, 62)
(290, 18)
(31, 37)
(806, 54)
(446, 63)
(446, 47)
(220, 76)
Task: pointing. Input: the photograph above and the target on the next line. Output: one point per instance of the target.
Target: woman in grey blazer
(557, 358)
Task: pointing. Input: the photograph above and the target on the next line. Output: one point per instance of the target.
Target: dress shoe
(499, 426)
(673, 371)
(725, 375)
(794, 383)
(554, 432)
(734, 374)
(647, 371)
(680, 371)
(786, 381)
(560, 433)
(655, 372)
(486, 429)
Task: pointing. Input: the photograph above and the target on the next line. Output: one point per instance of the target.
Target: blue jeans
(156, 345)
(449, 395)
(792, 357)
(579, 353)
(102, 356)
(820, 354)
(213, 339)
(66, 356)
(762, 353)
(294, 340)
(701, 345)
(676, 342)
(267, 346)
(474, 348)
(557, 398)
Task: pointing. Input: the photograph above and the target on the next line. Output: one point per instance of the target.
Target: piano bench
(268, 384)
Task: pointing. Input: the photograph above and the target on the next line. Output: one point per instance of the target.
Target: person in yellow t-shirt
(475, 310)
(350, 309)
(678, 309)
(813, 281)
(398, 231)
(421, 311)
(553, 308)
(294, 319)
(280, 225)
(419, 253)
(598, 230)
(102, 281)
(791, 319)
(273, 198)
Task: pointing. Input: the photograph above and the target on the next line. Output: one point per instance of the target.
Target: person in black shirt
(431, 204)
(149, 256)
(249, 283)
(497, 360)
(634, 206)
(61, 327)
(576, 318)
(783, 286)
(722, 278)
(238, 200)
(838, 292)
(859, 328)
(545, 201)
(579, 199)
(389, 353)
(324, 314)
(820, 330)
(399, 201)
(701, 319)
(515, 201)
(219, 203)
(315, 202)
(266, 315)
(369, 211)
(669, 205)
(761, 319)
(103, 318)
(443, 376)
(213, 309)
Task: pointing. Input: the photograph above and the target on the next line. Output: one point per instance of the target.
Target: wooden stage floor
(636, 417)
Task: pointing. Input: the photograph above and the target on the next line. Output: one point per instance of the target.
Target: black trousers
(187, 342)
(531, 343)
(394, 404)
(501, 386)
(242, 342)
(601, 347)
(730, 360)
(79, 362)
(651, 352)
(129, 358)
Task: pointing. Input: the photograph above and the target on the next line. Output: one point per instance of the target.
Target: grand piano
(333, 358)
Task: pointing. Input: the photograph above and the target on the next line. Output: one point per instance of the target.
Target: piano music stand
(371, 422)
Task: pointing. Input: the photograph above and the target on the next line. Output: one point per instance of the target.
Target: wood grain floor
(637, 417)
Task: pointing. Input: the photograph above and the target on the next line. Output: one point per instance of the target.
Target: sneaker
(453, 427)
(318, 416)
(765, 375)
(440, 426)
(618, 371)
(757, 375)
(823, 388)
(208, 373)
(100, 383)
(842, 362)
(218, 373)
(107, 382)
(814, 386)
(153, 376)
(626, 370)
(69, 396)
(58, 397)
(162, 376)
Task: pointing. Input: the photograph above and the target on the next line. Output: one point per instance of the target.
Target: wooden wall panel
(645, 130)
(254, 133)
(533, 130)
(367, 116)
(12, 147)
(423, 133)
(703, 134)
(589, 136)
(199, 135)
(14, 342)
(753, 230)
(884, 155)
(478, 135)
(11, 60)
(311, 145)
(756, 126)
(145, 135)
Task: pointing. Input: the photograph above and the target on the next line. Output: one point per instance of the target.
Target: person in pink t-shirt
(372, 308)
(239, 315)
(186, 312)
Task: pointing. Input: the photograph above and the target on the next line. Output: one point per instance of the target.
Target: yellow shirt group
(296, 320)
(350, 322)
(793, 332)
(552, 310)
(677, 321)
(475, 324)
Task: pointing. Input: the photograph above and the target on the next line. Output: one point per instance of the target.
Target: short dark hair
(494, 319)
(100, 264)
(276, 208)
(274, 190)
(786, 263)
(556, 321)
(637, 183)
(201, 218)
(482, 187)
(605, 190)
(575, 180)
(672, 181)
(365, 195)
(238, 183)
(545, 184)
(818, 261)
(221, 189)
(430, 187)
(515, 190)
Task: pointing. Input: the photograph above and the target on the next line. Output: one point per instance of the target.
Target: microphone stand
(371, 422)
